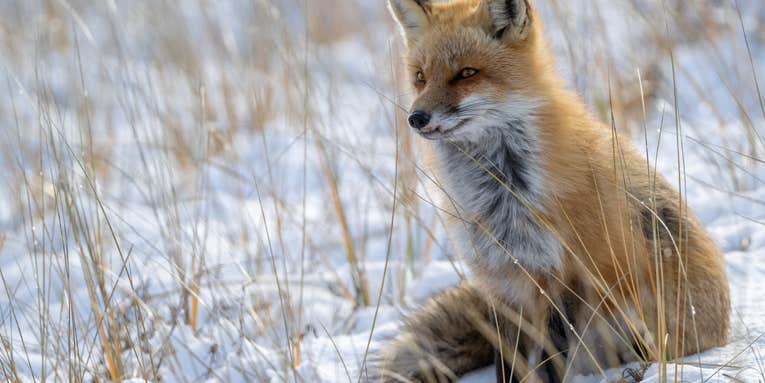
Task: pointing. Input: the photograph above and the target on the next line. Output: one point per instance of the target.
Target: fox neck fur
(496, 186)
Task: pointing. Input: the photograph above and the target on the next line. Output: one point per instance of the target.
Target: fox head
(475, 64)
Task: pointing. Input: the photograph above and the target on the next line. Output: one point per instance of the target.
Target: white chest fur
(497, 187)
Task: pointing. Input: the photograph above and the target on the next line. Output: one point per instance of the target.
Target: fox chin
(582, 257)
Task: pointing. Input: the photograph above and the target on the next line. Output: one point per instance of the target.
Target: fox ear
(510, 19)
(412, 16)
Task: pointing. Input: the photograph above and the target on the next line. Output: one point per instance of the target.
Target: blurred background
(207, 190)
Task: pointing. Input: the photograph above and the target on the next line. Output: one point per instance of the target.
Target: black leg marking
(559, 338)
(505, 376)
(502, 369)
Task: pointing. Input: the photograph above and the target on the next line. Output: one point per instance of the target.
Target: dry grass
(200, 165)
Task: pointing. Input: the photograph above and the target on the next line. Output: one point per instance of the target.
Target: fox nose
(419, 119)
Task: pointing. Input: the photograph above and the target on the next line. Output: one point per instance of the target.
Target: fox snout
(418, 119)
(437, 123)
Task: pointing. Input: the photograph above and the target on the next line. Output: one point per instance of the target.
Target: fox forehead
(449, 48)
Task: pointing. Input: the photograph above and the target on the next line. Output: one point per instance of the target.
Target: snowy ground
(152, 152)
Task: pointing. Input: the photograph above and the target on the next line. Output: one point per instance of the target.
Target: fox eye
(419, 77)
(467, 72)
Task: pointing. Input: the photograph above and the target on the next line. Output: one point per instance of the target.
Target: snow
(198, 180)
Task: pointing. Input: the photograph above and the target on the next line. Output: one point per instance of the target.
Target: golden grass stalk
(194, 305)
(357, 273)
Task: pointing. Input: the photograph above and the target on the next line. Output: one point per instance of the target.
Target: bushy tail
(441, 341)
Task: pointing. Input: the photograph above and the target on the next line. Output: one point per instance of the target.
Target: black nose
(418, 119)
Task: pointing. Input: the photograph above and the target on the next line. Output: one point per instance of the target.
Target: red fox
(583, 258)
